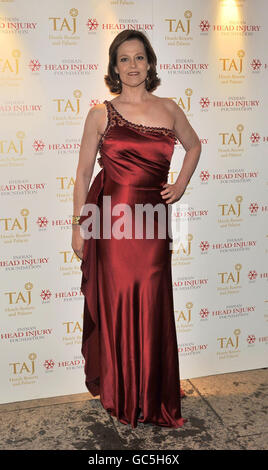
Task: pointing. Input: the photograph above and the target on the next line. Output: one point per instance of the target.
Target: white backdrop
(212, 59)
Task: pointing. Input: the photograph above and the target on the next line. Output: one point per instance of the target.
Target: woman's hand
(77, 241)
(172, 192)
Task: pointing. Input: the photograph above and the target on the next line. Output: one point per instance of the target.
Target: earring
(118, 81)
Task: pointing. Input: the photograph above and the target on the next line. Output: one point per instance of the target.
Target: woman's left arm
(191, 143)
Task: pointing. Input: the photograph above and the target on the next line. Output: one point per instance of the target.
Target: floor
(227, 411)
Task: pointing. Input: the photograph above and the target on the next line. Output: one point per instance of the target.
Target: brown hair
(111, 78)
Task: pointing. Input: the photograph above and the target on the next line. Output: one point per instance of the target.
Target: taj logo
(10, 65)
(232, 277)
(185, 315)
(27, 367)
(181, 25)
(184, 248)
(231, 342)
(185, 103)
(69, 105)
(233, 64)
(228, 138)
(66, 182)
(69, 257)
(72, 327)
(231, 209)
(17, 223)
(21, 297)
(66, 24)
(14, 146)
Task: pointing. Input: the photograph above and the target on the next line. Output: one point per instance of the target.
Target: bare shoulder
(172, 108)
(95, 118)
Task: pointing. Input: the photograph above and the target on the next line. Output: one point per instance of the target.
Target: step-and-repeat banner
(212, 60)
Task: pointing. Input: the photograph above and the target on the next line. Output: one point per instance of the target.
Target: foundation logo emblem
(42, 222)
(253, 207)
(204, 102)
(252, 275)
(255, 138)
(38, 145)
(34, 65)
(49, 364)
(45, 295)
(92, 24)
(204, 313)
(204, 246)
(204, 25)
(256, 64)
(204, 176)
(251, 339)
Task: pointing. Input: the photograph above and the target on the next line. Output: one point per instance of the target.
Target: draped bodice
(134, 154)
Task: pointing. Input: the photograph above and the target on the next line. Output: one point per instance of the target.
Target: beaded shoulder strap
(114, 117)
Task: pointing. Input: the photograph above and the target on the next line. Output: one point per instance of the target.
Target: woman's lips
(133, 73)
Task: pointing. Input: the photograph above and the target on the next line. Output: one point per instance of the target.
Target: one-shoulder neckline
(140, 126)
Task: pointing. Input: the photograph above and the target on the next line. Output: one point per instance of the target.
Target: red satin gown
(129, 338)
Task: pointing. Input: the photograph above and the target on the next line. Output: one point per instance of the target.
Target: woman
(129, 338)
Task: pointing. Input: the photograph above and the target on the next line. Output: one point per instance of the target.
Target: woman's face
(132, 65)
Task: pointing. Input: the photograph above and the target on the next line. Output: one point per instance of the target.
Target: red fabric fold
(89, 287)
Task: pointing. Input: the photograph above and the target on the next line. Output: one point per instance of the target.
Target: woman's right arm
(84, 171)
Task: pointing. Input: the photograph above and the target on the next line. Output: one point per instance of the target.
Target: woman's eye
(123, 59)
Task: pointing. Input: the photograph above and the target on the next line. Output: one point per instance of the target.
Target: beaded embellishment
(114, 117)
